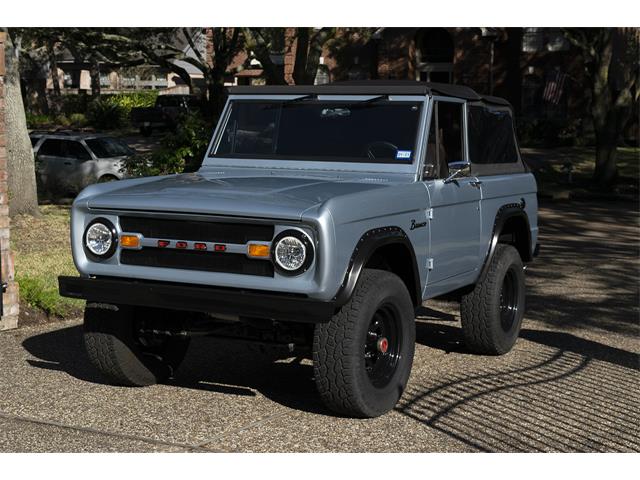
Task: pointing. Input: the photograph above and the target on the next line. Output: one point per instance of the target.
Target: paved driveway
(570, 384)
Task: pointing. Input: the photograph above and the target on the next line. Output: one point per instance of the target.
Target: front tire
(362, 357)
(492, 312)
(116, 349)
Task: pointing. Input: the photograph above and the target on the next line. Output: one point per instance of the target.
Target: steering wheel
(380, 144)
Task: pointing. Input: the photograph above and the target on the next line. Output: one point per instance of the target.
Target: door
(61, 164)
(50, 161)
(455, 222)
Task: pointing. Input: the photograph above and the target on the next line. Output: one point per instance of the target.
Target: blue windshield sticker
(403, 155)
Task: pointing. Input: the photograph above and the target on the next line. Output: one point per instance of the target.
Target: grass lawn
(42, 252)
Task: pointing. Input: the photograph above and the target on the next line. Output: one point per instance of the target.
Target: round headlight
(100, 238)
(292, 252)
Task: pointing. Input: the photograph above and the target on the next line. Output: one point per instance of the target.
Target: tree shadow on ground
(587, 272)
(566, 394)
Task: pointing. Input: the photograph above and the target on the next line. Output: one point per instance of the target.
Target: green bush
(78, 119)
(72, 103)
(105, 114)
(128, 101)
(39, 121)
(181, 150)
(62, 121)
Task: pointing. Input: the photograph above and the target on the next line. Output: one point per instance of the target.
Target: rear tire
(492, 312)
(362, 357)
(120, 354)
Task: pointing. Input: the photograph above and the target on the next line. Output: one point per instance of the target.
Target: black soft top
(371, 87)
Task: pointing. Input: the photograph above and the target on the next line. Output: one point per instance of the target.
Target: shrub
(72, 103)
(105, 114)
(128, 101)
(39, 121)
(62, 120)
(78, 119)
(181, 150)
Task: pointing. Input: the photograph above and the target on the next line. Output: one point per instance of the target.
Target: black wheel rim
(382, 346)
(509, 296)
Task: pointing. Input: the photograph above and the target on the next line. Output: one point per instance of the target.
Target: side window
(444, 144)
(52, 147)
(491, 138)
(251, 130)
(73, 149)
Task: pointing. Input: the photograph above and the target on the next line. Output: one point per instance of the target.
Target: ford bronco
(321, 218)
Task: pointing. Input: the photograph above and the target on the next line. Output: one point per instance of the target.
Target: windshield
(370, 131)
(108, 147)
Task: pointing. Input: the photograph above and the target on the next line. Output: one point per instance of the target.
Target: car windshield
(370, 131)
(108, 147)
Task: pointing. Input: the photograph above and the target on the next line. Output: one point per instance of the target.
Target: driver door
(455, 223)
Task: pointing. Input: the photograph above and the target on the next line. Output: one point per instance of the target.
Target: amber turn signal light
(129, 241)
(258, 250)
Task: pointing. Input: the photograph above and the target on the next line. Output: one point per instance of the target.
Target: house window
(532, 40)
(544, 40)
(105, 81)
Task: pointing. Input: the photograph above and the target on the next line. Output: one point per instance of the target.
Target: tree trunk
(216, 94)
(302, 52)
(53, 65)
(606, 171)
(21, 181)
(94, 73)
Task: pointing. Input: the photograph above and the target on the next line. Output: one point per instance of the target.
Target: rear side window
(75, 150)
(52, 147)
(491, 137)
(64, 148)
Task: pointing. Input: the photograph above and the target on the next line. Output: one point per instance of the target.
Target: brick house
(515, 63)
(536, 69)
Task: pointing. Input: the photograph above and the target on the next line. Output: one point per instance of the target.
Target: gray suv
(321, 219)
(68, 161)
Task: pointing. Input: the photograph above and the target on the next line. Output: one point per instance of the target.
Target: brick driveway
(570, 384)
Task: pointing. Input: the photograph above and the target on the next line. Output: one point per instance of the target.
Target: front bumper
(197, 298)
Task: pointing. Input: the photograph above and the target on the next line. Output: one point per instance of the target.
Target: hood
(267, 195)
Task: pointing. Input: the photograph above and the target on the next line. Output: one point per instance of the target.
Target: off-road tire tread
(112, 356)
(331, 363)
(475, 307)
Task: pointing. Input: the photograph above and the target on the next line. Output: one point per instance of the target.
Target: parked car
(321, 219)
(68, 161)
(165, 113)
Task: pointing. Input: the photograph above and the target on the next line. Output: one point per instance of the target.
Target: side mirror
(457, 168)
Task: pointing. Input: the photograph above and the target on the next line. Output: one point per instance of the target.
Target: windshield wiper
(300, 99)
(366, 103)
(284, 103)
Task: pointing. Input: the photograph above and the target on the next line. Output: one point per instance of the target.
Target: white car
(66, 162)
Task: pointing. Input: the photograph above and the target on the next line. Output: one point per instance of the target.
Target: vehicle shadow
(210, 365)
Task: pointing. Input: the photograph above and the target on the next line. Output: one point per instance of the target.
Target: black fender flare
(510, 210)
(369, 242)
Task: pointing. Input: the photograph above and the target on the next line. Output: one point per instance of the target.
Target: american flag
(554, 88)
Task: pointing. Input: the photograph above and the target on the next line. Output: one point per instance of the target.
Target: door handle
(475, 183)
